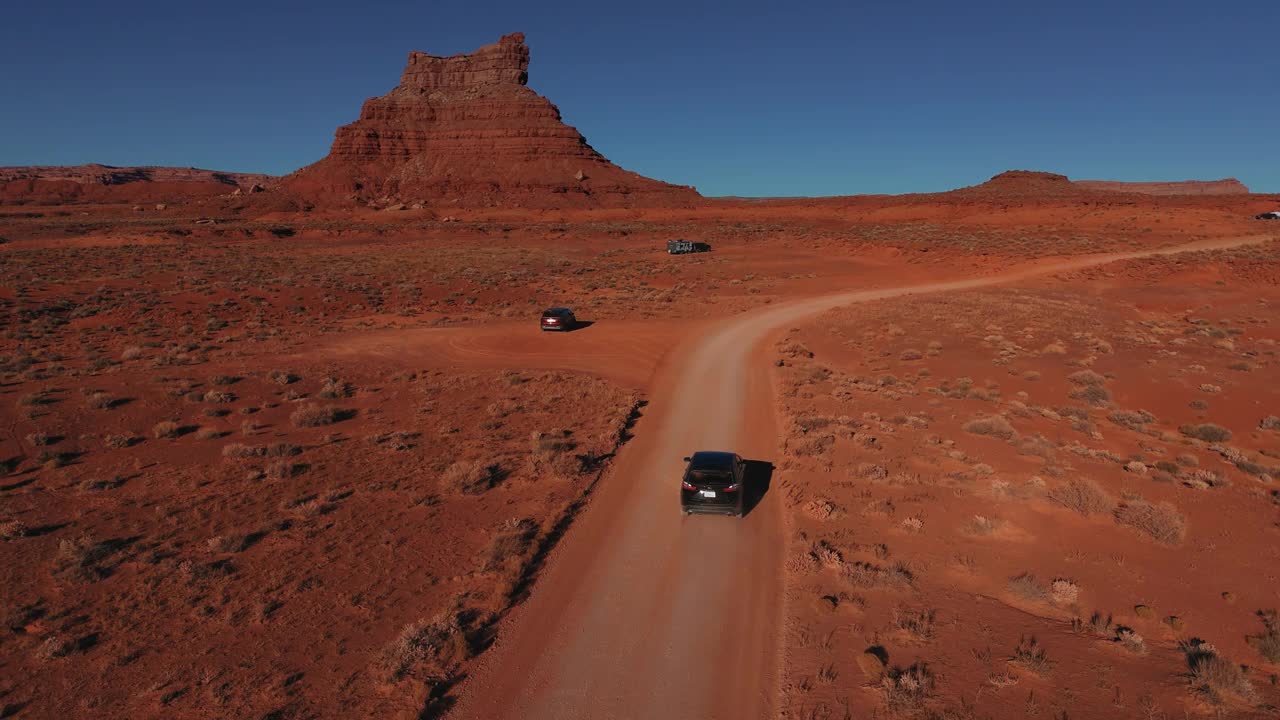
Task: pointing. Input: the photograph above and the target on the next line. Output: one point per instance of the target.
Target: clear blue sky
(748, 98)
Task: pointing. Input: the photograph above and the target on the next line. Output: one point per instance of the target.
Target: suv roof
(555, 311)
(707, 460)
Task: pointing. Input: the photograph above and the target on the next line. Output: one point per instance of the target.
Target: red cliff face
(1229, 186)
(466, 130)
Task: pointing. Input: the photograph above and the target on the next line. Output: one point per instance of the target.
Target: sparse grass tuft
(918, 622)
(1032, 656)
(907, 689)
(1215, 676)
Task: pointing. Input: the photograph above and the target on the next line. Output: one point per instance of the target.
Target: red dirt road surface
(645, 613)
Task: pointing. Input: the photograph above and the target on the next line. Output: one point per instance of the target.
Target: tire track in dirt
(643, 613)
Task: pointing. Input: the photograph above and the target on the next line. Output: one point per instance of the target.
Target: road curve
(644, 613)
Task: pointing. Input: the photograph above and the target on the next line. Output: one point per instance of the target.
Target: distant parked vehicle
(713, 482)
(558, 318)
(682, 247)
(1274, 215)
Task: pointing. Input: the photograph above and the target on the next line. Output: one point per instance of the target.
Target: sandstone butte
(465, 129)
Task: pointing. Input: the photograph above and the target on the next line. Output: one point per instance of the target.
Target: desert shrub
(1098, 624)
(315, 415)
(1063, 591)
(1084, 496)
(1086, 377)
(1270, 422)
(282, 469)
(556, 441)
(1092, 394)
(1027, 587)
(993, 425)
(282, 377)
(109, 482)
(278, 450)
(219, 397)
(1268, 643)
(40, 439)
(1132, 420)
(907, 689)
(101, 401)
(239, 451)
(165, 429)
(1162, 522)
(430, 649)
(1207, 432)
(13, 529)
(1131, 640)
(1032, 656)
(512, 541)
(224, 379)
(116, 442)
(335, 388)
(1215, 676)
(470, 477)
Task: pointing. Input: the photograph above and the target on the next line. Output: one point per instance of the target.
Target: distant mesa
(1018, 184)
(106, 183)
(465, 129)
(1228, 186)
(1029, 183)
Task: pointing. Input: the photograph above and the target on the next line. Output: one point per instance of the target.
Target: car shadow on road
(581, 325)
(757, 474)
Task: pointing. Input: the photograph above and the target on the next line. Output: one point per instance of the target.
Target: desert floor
(1007, 461)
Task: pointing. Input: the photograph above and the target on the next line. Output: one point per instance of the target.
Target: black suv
(558, 318)
(713, 483)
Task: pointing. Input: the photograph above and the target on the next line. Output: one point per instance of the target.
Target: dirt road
(644, 613)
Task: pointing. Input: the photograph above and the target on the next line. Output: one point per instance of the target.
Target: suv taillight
(685, 484)
(732, 488)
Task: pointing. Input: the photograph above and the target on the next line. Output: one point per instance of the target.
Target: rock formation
(1229, 186)
(466, 130)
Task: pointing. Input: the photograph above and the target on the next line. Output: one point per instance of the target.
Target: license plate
(708, 493)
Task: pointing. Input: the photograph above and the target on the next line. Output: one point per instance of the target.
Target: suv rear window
(714, 478)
